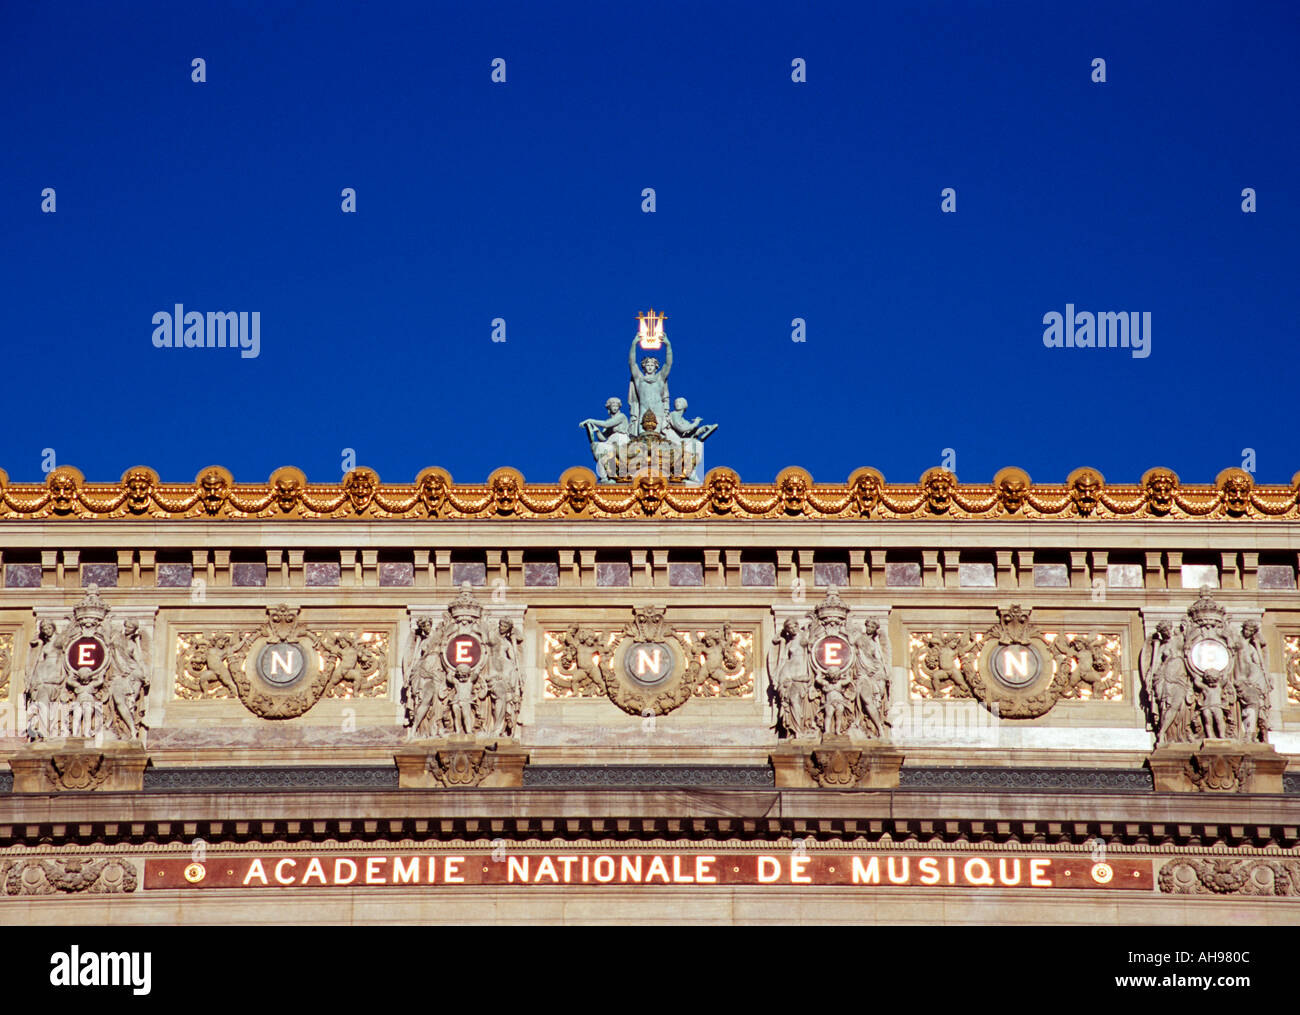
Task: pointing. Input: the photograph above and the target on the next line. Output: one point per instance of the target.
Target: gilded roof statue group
(648, 436)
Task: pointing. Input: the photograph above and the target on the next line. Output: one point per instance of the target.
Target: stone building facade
(649, 700)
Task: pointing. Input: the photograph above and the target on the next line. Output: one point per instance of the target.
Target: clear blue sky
(775, 200)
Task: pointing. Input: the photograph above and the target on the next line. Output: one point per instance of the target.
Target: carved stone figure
(1169, 687)
(129, 677)
(45, 679)
(1251, 683)
(1204, 681)
(828, 679)
(506, 677)
(872, 648)
(460, 678)
(789, 679)
(89, 677)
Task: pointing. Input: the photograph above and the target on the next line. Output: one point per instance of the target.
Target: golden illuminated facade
(586, 701)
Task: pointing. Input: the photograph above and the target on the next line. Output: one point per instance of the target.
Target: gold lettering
(373, 877)
(678, 876)
(1037, 872)
(338, 871)
(702, 870)
(631, 865)
(1014, 877)
(517, 866)
(451, 870)
(609, 868)
(279, 870)
(866, 873)
(314, 869)
(929, 868)
(797, 864)
(769, 869)
(657, 864)
(899, 879)
(405, 875)
(255, 868)
(547, 867)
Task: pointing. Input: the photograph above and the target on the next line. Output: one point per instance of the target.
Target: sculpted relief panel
(829, 676)
(280, 668)
(1291, 661)
(463, 675)
(650, 665)
(88, 674)
(1014, 668)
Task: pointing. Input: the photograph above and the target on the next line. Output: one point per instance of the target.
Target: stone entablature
(237, 558)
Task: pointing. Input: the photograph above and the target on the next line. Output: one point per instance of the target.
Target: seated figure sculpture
(690, 434)
(607, 437)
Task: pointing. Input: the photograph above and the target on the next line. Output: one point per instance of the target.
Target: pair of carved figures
(463, 676)
(87, 675)
(1206, 679)
(829, 678)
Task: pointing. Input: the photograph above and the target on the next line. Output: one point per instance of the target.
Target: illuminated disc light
(195, 873)
(281, 664)
(1102, 873)
(649, 663)
(1210, 655)
(1015, 665)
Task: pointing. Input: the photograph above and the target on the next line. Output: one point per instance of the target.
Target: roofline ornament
(288, 496)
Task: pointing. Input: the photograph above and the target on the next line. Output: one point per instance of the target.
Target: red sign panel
(832, 652)
(863, 871)
(464, 650)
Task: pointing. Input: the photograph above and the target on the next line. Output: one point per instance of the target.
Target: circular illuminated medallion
(195, 873)
(833, 653)
(1102, 873)
(1209, 655)
(1015, 665)
(281, 664)
(463, 650)
(649, 663)
(87, 653)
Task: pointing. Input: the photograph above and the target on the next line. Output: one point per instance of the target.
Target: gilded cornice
(214, 494)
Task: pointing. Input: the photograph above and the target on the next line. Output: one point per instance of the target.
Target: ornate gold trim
(505, 496)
